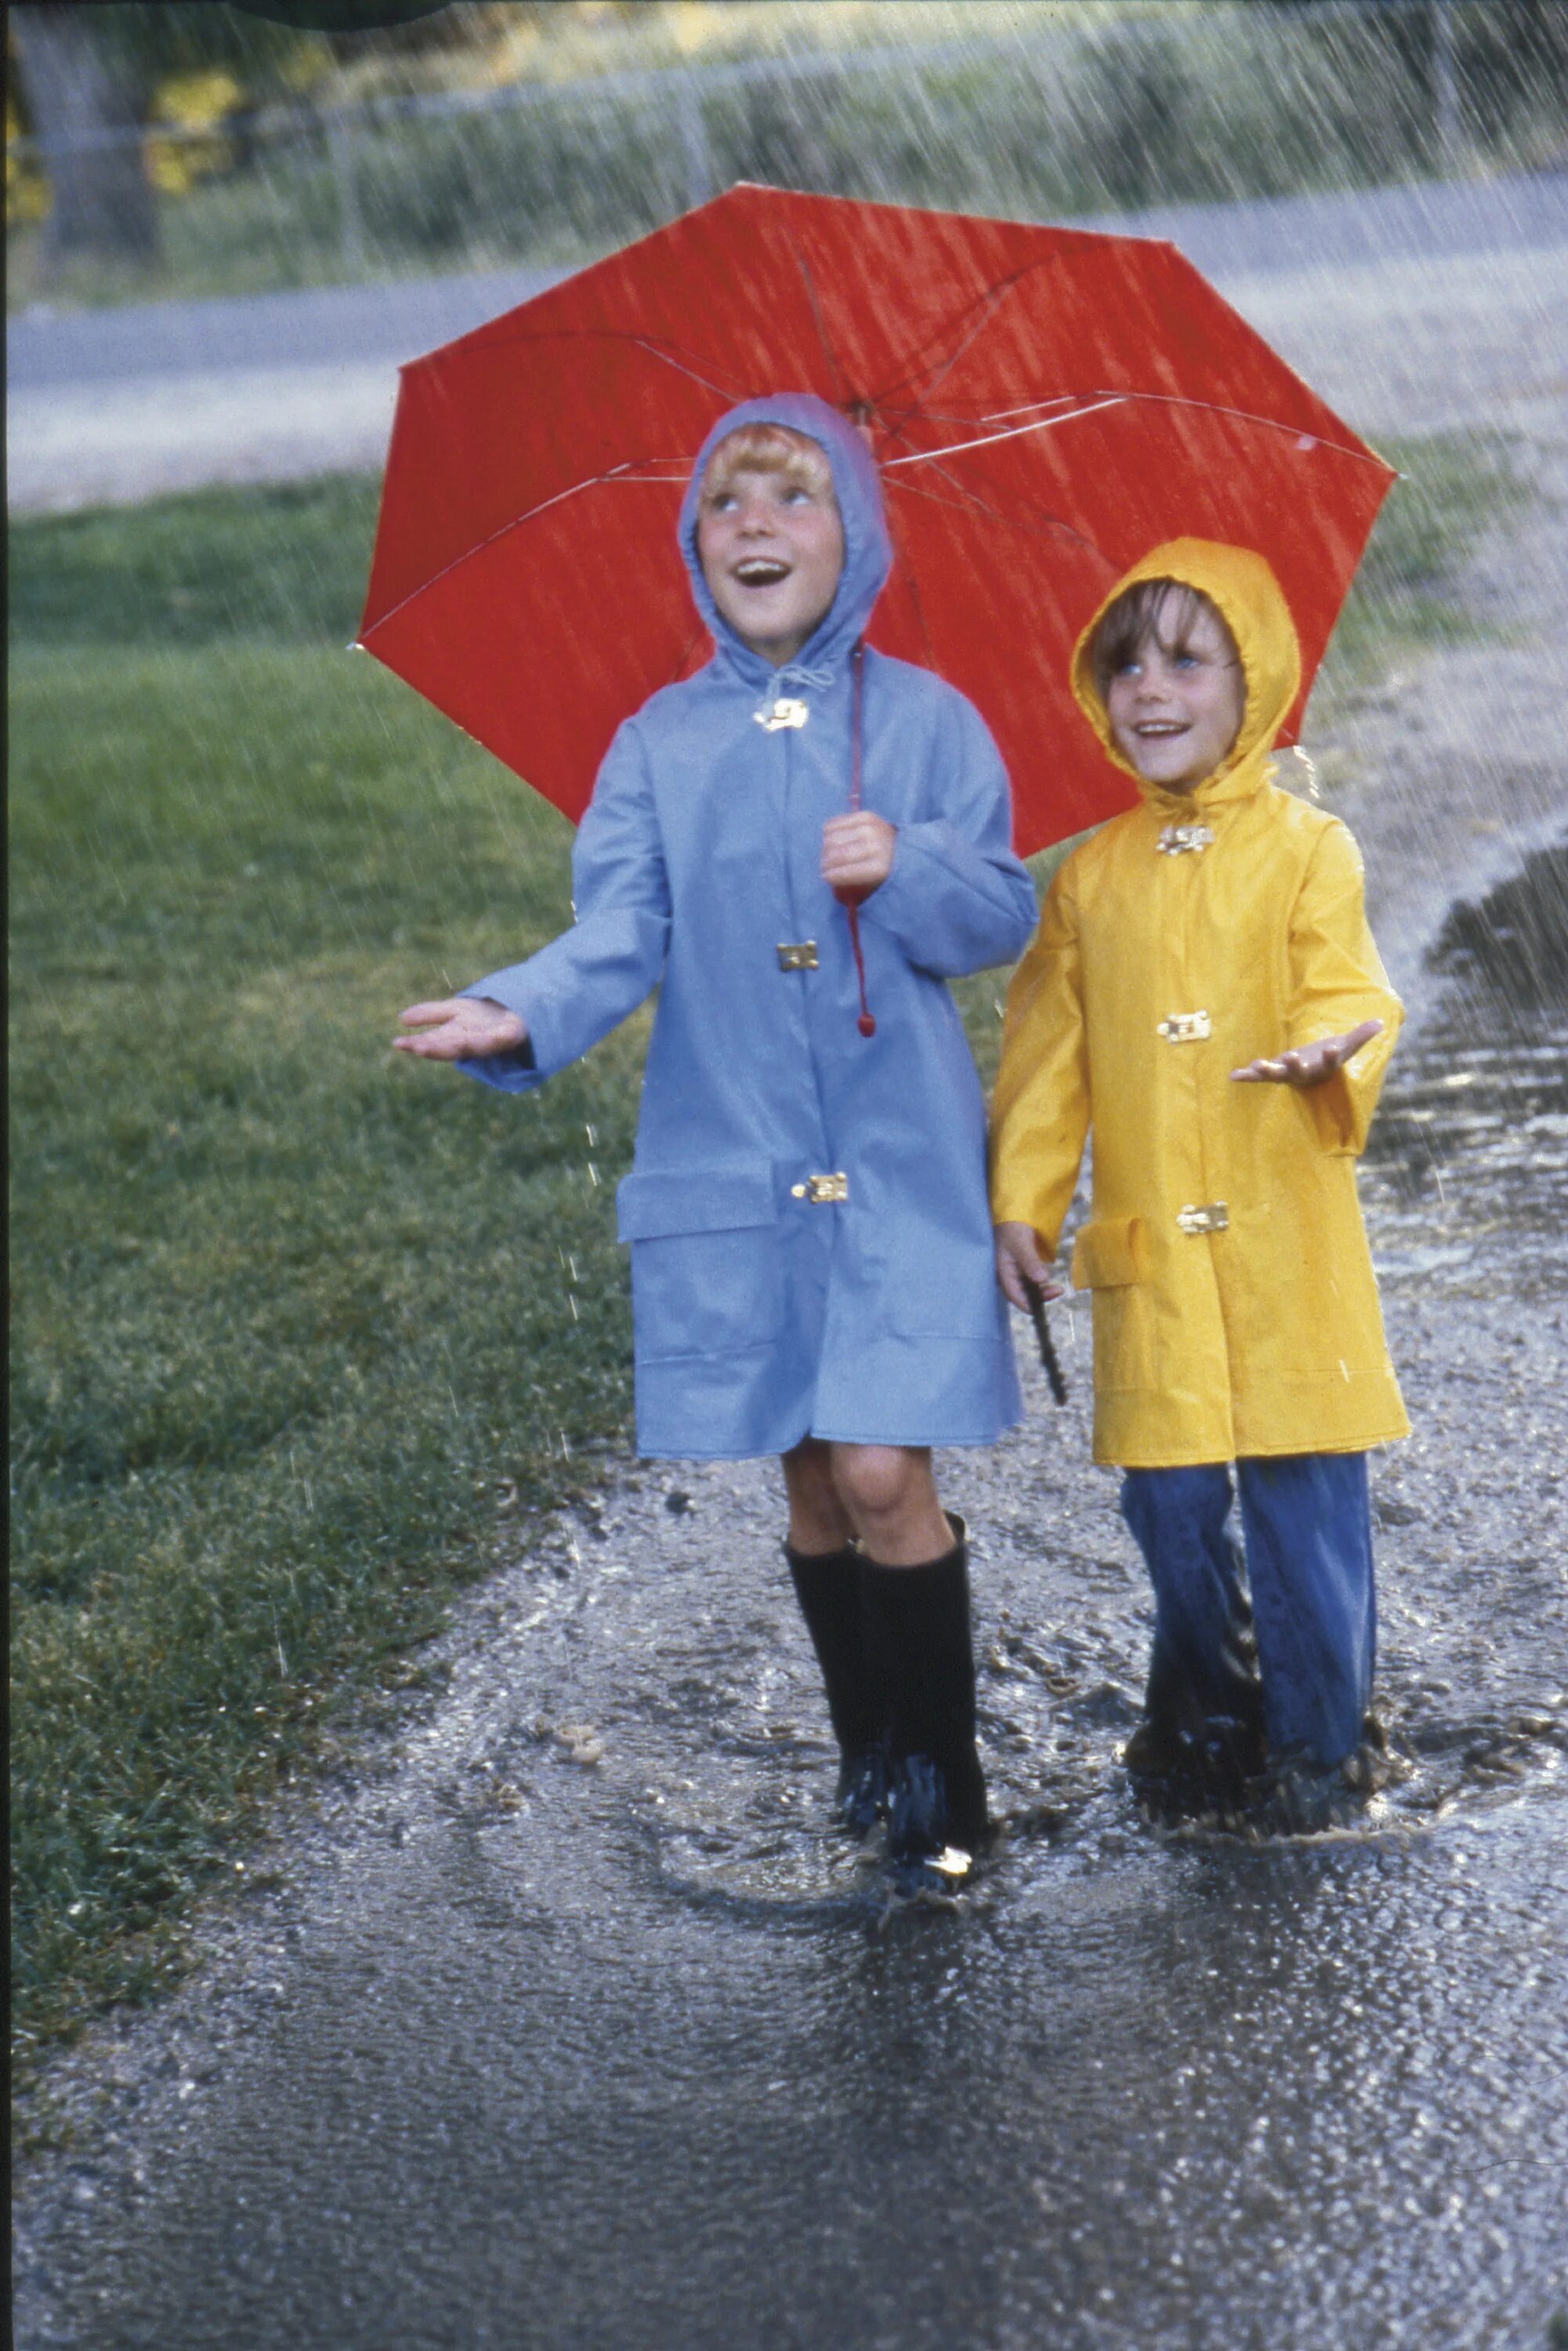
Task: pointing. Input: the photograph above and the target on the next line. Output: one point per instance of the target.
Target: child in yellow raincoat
(1204, 993)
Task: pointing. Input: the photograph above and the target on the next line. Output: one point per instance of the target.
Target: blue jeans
(1307, 1526)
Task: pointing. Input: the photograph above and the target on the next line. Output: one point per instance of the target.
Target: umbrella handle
(1036, 1297)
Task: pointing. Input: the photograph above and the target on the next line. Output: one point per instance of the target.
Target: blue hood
(868, 550)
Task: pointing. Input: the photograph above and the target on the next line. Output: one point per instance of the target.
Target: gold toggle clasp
(1177, 838)
(821, 1189)
(1186, 1027)
(799, 958)
(783, 713)
(1214, 1217)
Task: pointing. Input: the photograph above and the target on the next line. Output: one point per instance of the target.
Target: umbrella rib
(724, 391)
(980, 312)
(816, 317)
(971, 501)
(641, 342)
(1118, 399)
(1249, 416)
(618, 474)
(1042, 424)
(1028, 407)
(980, 415)
(964, 503)
(1049, 525)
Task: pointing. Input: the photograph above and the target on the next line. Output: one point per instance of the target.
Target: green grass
(293, 1320)
(288, 1313)
(1457, 487)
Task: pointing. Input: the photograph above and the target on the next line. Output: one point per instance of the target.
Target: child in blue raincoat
(811, 1264)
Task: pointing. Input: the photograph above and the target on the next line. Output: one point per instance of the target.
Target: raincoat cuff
(949, 907)
(517, 1071)
(1342, 1106)
(1019, 1208)
(1341, 1120)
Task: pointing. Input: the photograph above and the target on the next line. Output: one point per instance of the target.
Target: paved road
(1460, 288)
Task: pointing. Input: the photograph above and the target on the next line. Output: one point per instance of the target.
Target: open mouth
(761, 572)
(1156, 730)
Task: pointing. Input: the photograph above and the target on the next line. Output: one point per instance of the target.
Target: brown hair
(1152, 612)
(768, 449)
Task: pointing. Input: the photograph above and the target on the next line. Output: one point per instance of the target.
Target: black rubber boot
(918, 1637)
(829, 1591)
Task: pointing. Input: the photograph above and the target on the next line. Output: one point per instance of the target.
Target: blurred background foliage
(189, 149)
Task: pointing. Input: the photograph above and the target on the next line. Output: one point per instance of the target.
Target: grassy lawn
(299, 1328)
(291, 1318)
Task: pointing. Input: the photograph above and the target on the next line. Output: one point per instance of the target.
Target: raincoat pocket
(707, 1274)
(1111, 1259)
(1109, 1255)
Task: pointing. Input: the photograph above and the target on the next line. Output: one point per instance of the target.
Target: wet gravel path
(572, 2025)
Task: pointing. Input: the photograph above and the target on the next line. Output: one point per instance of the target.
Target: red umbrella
(1046, 404)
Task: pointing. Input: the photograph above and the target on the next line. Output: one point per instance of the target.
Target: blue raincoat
(770, 1303)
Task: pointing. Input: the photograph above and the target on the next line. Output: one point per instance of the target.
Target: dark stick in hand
(1042, 1333)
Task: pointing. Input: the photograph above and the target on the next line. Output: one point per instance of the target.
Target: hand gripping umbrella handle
(849, 899)
(1032, 1292)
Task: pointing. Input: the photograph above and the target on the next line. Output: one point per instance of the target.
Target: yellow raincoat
(1235, 1307)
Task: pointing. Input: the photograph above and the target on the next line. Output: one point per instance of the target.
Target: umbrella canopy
(1045, 404)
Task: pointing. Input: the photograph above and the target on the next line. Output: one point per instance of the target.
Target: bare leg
(890, 1495)
(819, 1523)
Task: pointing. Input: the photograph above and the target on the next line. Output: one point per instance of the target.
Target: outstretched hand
(460, 1029)
(1308, 1065)
(857, 851)
(1019, 1260)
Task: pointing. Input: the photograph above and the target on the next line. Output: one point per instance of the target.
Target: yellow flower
(26, 189)
(195, 103)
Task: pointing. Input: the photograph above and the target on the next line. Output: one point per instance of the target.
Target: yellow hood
(1241, 586)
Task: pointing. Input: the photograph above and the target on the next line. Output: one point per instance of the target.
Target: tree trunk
(78, 88)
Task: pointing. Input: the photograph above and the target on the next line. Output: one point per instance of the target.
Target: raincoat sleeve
(576, 990)
(1040, 1112)
(957, 900)
(1337, 979)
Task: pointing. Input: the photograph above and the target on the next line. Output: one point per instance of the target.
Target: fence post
(1445, 84)
(694, 141)
(350, 226)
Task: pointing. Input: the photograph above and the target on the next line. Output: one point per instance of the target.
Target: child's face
(1175, 711)
(771, 551)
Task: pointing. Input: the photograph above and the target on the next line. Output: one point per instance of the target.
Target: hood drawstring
(851, 896)
(792, 673)
(796, 671)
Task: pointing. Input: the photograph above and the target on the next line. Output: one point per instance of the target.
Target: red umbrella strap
(866, 1024)
(857, 670)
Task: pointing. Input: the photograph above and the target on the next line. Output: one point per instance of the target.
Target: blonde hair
(768, 449)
